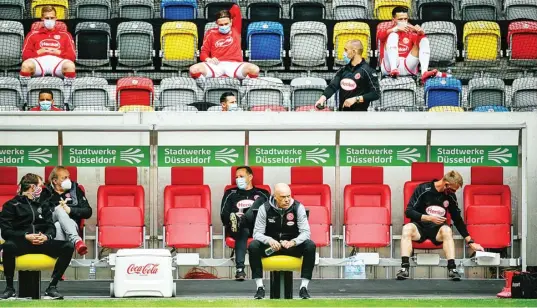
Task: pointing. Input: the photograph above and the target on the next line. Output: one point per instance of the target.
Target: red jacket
(52, 108)
(54, 39)
(224, 47)
(406, 41)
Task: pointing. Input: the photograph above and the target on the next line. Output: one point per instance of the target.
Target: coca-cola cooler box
(142, 272)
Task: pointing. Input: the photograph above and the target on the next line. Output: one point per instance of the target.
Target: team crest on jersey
(446, 203)
(347, 84)
(256, 196)
(224, 42)
(57, 36)
(357, 76)
(290, 216)
(406, 40)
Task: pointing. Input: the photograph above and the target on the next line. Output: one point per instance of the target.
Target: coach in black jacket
(357, 82)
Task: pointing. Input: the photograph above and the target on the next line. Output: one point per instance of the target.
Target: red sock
(253, 75)
(195, 75)
(25, 74)
(69, 75)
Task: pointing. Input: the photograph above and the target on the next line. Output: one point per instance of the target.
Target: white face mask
(49, 23)
(66, 184)
(402, 23)
(232, 107)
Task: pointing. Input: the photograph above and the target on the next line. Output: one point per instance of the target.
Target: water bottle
(92, 271)
(460, 269)
(449, 72)
(269, 251)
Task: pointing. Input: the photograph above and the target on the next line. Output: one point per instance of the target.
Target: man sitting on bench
(27, 227)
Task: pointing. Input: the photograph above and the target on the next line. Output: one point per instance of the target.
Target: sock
(304, 283)
(451, 264)
(424, 55)
(53, 282)
(195, 75)
(253, 75)
(405, 262)
(259, 283)
(392, 50)
(69, 77)
(9, 282)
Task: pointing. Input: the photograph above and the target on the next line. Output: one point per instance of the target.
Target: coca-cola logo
(435, 210)
(347, 84)
(244, 204)
(224, 42)
(49, 43)
(148, 269)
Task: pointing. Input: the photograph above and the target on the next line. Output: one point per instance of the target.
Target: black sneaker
(240, 275)
(234, 223)
(303, 293)
(260, 294)
(52, 293)
(9, 293)
(402, 274)
(454, 275)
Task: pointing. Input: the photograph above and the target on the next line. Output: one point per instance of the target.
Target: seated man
(27, 227)
(45, 102)
(235, 204)
(282, 228)
(427, 209)
(228, 100)
(68, 205)
(221, 50)
(48, 51)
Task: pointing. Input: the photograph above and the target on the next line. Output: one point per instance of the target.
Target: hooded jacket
(21, 216)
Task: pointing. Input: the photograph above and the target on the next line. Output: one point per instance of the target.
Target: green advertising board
(209, 156)
(368, 155)
(102, 156)
(28, 156)
(280, 156)
(494, 155)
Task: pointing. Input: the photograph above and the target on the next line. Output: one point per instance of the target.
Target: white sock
(304, 283)
(424, 54)
(392, 50)
(259, 283)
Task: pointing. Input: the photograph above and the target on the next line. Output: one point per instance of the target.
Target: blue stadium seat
(443, 92)
(491, 109)
(179, 9)
(265, 43)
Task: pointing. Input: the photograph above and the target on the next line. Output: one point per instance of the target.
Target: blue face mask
(224, 29)
(241, 183)
(346, 58)
(45, 105)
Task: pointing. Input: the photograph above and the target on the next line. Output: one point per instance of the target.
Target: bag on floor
(524, 285)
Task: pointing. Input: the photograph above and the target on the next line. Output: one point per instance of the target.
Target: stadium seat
(12, 9)
(491, 109)
(54, 84)
(11, 40)
(134, 91)
(308, 45)
(437, 10)
(179, 44)
(524, 96)
(350, 9)
(421, 173)
(522, 43)
(348, 31)
(181, 108)
(11, 92)
(305, 10)
(8, 184)
(479, 10)
(486, 92)
(268, 108)
(89, 91)
(178, 91)
(93, 44)
(264, 10)
(135, 44)
(179, 9)
(383, 8)
(265, 43)
(136, 108)
(305, 91)
(61, 6)
(487, 208)
(213, 88)
(281, 269)
(136, 9)
(187, 210)
(481, 41)
(443, 92)
(264, 91)
(520, 9)
(307, 187)
(367, 209)
(92, 109)
(311, 108)
(120, 210)
(214, 6)
(9, 108)
(29, 267)
(442, 36)
(208, 26)
(398, 94)
(93, 9)
(446, 109)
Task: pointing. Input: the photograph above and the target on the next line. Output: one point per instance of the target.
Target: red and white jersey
(406, 41)
(53, 39)
(224, 47)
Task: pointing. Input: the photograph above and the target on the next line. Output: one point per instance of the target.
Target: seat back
(11, 92)
(213, 88)
(308, 43)
(89, 91)
(179, 43)
(8, 184)
(136, 9)
(350, 9)
(383, 8)
(179, 9)
(264, 9)
(442, 36)
(93, 9)
(479, 10)
(311, 108)
(35, 85)
(522, 41)
(214, 6)
(437, 10)
(265, 43)
(486, 92)
(61, 6)
(397, 93)
(520, 9)
(446, 109)
(259, 92)
(135, 43)
(173, 88)
(487, 207)
(524, 94)
(306, 90)
(307, 9)
(348, 31)
(443, 92)
(11, 40)
(481, 41)
(491, 109)
(12, 9)
(134, 91)
(93, 43)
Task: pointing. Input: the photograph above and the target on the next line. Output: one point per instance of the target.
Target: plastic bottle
(92, 271)
(269, 251)
(460, 269)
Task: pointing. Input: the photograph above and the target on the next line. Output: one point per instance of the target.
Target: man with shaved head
(356, 82)
(282, 228)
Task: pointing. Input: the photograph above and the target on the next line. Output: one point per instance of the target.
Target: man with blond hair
(427, 209)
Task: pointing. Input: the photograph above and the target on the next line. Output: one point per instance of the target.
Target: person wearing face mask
(228, 100)
(68, 205)
(48, 51)
(45, 102)
(236, 202)
(356, 82)
(427, 210)
(27, 227)
(221, 52)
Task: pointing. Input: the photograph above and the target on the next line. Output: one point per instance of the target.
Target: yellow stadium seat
(481, 41)
(61, 6)
(179, 42)
(30, 267)
(351, 30)
(281, 263)
(136, 108)
(383, 8)
(446, 109)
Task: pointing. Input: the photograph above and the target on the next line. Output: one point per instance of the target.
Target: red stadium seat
(421, 173)
(487, 208)
(367, 209)
(187, 209)
(307, 187)
(311, 108)
(522, 40)
(135, 91)
(120, 209)
(267, 108)
(8, 184)
(59, 26)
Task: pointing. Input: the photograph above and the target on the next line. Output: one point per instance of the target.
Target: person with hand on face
(356, 82)
(27, 227)
(228, 100)
(69, 206)
(235, 204)
(427, 209)
(46, 102)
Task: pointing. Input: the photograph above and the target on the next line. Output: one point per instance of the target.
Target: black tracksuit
(80, 208)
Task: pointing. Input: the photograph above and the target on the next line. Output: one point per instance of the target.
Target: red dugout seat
(135, 91)
(421, 173)
(311, 108)
(487, 208)
(120, 209)
(307, 187)
(268, 108)
(187, 210)
(367, 209)
(522, 40)
(8, 184)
